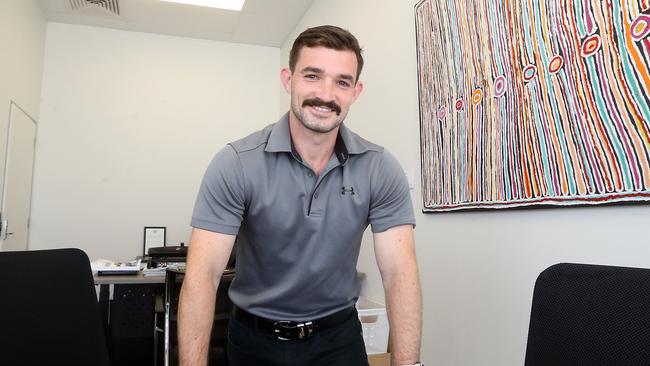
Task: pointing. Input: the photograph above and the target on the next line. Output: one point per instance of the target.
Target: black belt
(286, 330)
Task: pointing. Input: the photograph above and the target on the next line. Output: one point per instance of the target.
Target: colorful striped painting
(533, 102)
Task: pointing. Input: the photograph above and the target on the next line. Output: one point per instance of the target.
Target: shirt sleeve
(220, 203)
(390, 203)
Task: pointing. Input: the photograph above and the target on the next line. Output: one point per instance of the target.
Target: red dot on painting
(529, 72)
(591, 45)
(477, 96)
(556, 64)
(459, 104)
(500, 86)
(640, 27)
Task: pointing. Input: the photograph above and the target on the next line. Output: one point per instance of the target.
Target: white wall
(22, 42)
(477, 268)
(129, 122)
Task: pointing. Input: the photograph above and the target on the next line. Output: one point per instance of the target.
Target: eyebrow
(308, 69)
(316, 70)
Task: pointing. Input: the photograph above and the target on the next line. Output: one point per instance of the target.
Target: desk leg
(104, 299)
(170, 279)
(158, 329)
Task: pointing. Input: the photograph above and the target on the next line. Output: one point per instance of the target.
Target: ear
(285, 77)
(358, 88)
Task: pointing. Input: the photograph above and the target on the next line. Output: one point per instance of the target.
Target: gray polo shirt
(299, 234)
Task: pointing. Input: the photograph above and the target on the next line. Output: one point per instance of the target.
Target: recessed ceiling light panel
(236, 5)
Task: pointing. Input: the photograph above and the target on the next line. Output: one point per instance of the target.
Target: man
(299, 194)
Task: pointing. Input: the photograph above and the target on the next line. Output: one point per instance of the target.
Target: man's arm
(395, 253)
(207, 258)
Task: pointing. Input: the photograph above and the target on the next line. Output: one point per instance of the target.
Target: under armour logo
(349, 190)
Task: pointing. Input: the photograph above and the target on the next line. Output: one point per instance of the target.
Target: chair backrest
(590, 315)
(49, 313)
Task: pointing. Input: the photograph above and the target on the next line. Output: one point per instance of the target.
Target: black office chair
(590, 315)
(49, 313)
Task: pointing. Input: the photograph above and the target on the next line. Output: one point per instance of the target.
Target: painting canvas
(526, 103)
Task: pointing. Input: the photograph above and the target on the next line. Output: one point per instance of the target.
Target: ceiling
(261, 22)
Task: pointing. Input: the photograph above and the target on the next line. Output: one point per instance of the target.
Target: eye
(311, 77)
(344, 83)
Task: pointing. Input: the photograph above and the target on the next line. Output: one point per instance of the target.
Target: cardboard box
(379, 359)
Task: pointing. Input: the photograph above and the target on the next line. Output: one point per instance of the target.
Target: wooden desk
(105, 281)
(124, 319)
(127, 279)
(172, 280)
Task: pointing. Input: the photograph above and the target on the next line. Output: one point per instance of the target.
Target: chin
(321, 128)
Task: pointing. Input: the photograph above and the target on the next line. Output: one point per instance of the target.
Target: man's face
(323, 86)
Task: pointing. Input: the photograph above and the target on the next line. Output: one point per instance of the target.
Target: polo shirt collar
(280, 137)
(347, 142)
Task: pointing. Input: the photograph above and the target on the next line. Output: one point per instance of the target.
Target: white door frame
(3, 181)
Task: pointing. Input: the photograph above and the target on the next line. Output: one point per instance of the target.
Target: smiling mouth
(321, 106)
(322, 109)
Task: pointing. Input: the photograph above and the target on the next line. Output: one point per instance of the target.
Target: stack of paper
(158, 271)
(161, 270)
(110, 268)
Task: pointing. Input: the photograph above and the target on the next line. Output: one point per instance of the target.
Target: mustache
(317, 102)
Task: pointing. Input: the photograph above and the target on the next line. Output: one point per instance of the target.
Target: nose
(326, 90)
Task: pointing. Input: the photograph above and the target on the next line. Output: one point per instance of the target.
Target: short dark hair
(328, 36)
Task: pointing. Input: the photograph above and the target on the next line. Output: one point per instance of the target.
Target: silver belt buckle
(287, 330)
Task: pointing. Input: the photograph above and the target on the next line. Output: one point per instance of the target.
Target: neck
(315, 148)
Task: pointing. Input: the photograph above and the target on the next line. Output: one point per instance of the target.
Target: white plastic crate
(374, 321)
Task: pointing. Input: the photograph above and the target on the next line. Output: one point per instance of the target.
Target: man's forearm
(207, 257)
(195, 317)
(404, 305)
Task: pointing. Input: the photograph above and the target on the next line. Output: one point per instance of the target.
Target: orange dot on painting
(556, 64)
(477, 96)
(591, 45)
(640, 27)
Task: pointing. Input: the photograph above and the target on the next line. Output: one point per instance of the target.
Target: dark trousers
(341, 345)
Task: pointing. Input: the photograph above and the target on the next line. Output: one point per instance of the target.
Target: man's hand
(395, 254)
(207, 258)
